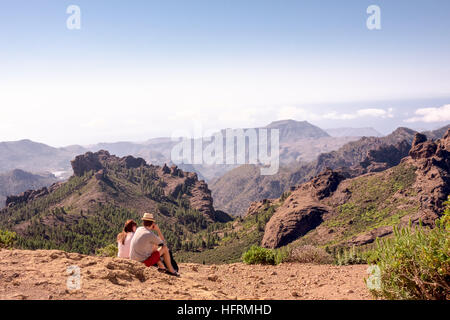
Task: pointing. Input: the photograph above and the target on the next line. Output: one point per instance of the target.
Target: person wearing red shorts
(149, 248)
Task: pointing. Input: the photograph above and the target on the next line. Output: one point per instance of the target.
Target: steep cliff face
(432, 160)
(332, 209)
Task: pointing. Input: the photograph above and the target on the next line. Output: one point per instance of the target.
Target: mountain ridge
(87, 211)
(368, 154)
(356, 132)
(333, 208)
(295, 139)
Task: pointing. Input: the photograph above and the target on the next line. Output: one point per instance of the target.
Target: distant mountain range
(293, 130)
(35, 157)
(300, 145)
(295, 142)
(17, 181)
(353, 132)
(235, 190)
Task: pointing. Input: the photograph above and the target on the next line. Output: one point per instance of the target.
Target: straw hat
(148, 217)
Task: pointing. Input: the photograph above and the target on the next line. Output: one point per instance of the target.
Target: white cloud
(431, 114)
(291, 112)
(369, 112)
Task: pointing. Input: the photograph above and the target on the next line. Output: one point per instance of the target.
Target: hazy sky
(141, 69)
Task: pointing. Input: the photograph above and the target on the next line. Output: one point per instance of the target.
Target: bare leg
(164, 252)
(160, 264)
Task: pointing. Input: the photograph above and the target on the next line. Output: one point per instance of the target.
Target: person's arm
(156, 228)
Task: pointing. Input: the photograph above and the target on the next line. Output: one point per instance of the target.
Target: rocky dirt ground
(42, 274)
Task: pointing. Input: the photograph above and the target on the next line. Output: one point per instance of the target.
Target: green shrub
(444, 221)
(110, 250)
(310, 254)
(7, 239)
(348, 256)
(259, 255)
(415, 263)
(282, 254)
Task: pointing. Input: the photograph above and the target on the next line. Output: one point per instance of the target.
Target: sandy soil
(42, 274)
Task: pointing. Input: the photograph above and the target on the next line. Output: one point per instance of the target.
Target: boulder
(131, 162)
(89, 161)
(326, 183)
(165, 169)
(287, 225)
(418, 139)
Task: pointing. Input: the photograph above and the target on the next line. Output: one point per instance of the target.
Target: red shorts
(153, 259)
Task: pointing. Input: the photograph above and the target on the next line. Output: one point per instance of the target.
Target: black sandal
(175, 274)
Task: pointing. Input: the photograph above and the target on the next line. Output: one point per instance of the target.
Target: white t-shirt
(124, 249)
(143, 244)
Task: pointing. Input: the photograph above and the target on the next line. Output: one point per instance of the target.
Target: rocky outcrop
(257, 206)
(131, 162)
(302, 211)
(368, 153)
(326, 183)
(414, 190)
(165, 169)
(389, 155)
(175, 171)
(424, 149)
(289, 225)
(201, 199)
(432, 160)
(100, 175)
(26, 196)
(89, 162)
(418, 139)
(370, 236)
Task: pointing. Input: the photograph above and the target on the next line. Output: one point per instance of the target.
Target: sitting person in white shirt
(149, 248)
(124, 239)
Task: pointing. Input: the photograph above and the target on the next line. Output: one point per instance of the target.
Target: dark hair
(127, 228)
(147, 223)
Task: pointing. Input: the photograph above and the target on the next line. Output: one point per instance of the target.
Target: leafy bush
(164, 209)
(282, 254)
(7, 239)
(347, 256)
(259, 255)
(285, 195)
(415, 264)
(310, 254)
(110, 250)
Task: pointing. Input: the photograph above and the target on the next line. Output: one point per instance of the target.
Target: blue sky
(140, 69)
